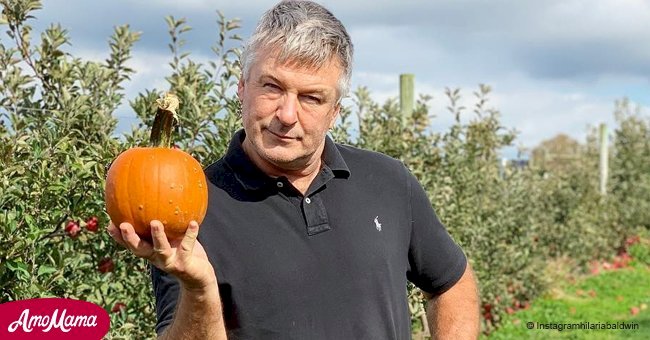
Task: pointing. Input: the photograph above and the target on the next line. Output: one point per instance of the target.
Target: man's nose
(288, 111)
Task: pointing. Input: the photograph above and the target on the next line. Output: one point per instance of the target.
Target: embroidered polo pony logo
(377, 224)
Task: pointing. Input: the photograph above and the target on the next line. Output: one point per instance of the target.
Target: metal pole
(406, 95)
(604, 159)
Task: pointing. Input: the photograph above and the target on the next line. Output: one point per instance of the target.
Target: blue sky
(554, 66)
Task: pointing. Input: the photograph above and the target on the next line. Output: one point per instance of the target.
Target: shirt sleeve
(166, 288)
(436, 262)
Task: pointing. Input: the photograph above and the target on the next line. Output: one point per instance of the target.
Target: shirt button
(280, 184)
(307, 200)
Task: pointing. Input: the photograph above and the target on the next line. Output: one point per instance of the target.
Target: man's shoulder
(358, 158)
(220, 174)
(215, 167)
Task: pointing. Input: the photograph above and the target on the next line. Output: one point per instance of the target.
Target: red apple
(72, 229)
(105, 265)
(118, 307)
(92, 224)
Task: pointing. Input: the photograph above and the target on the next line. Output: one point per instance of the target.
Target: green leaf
(17, 267)
(44, 269)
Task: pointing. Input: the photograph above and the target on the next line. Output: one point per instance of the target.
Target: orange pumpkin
(157, 182)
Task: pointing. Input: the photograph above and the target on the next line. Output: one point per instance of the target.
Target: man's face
(287, 110)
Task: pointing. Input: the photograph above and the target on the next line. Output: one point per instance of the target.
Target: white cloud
(555, 65)
(595, 19)
(538, 111)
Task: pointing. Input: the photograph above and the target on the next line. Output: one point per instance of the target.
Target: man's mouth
(283, 137)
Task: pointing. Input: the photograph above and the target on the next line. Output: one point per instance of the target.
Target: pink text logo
(52, 318)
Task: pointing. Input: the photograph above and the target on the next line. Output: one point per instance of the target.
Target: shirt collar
(252, 178)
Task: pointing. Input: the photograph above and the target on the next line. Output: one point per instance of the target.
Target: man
(305, 238)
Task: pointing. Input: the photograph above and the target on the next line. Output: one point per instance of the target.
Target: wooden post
(406, 96)
(604, 159)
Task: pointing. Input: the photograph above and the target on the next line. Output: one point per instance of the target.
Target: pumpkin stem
(166, 119)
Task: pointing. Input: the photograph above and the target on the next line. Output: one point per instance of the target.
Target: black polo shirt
(332, 264)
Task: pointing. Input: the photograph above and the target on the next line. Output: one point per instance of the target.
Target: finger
(187, 244)
(115, 233)
(134, 243)
(159, 238)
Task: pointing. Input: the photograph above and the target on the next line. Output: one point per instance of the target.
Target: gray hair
(305, 33)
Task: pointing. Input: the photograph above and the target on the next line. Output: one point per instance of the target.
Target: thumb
(187, 244)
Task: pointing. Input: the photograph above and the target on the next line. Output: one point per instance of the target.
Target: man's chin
(284, 161)
(281, 159)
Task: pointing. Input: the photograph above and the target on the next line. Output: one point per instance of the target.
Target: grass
(615, 297)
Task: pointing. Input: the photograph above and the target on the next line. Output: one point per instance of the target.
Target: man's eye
(312, 99)
(271, 86)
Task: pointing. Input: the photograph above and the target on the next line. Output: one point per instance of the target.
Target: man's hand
(198, 314)
(184, 258)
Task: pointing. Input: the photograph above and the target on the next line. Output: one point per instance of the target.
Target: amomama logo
(52, 318)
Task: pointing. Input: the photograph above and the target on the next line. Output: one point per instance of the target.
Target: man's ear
(240, 88)
(335, 115)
